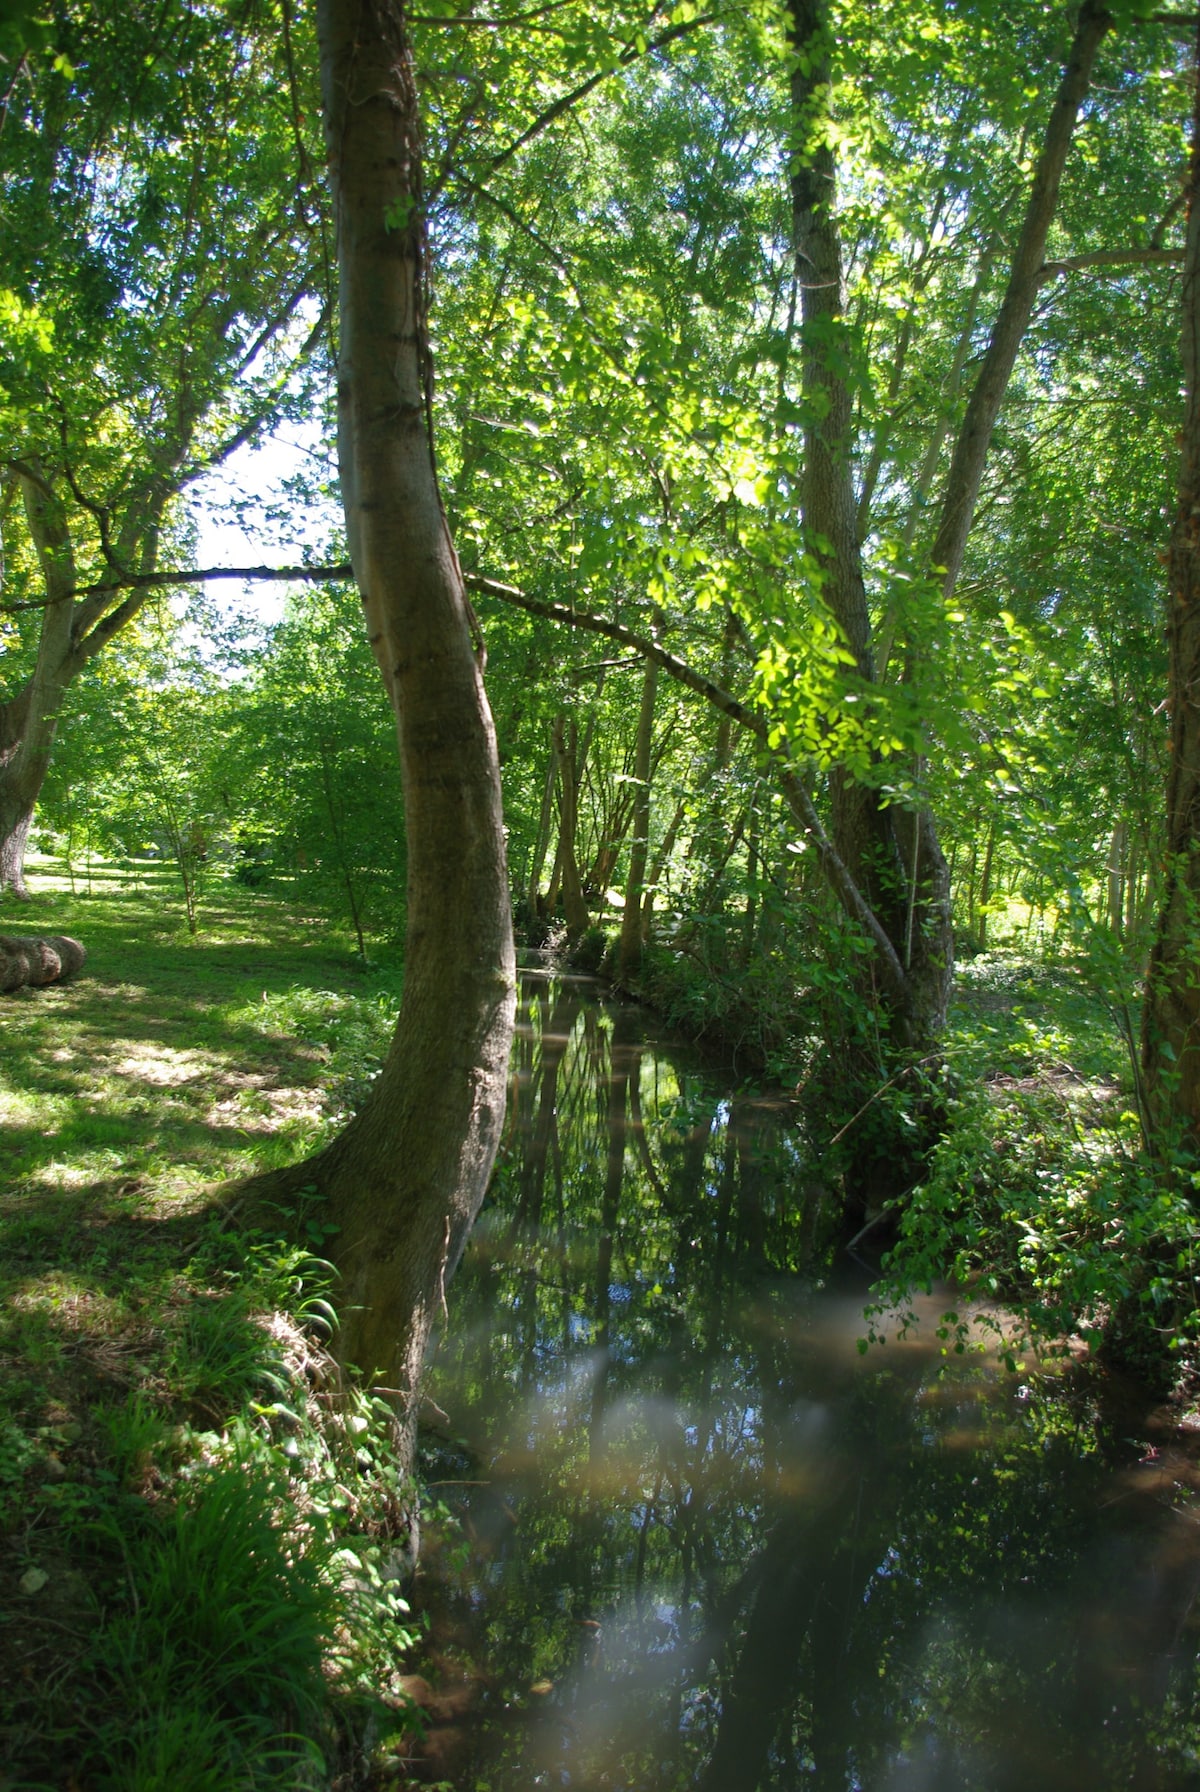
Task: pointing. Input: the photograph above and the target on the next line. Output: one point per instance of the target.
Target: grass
(196, 1521)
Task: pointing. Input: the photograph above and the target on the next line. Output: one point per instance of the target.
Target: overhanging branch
(1102, 260)
(151, 581)
(790, 783)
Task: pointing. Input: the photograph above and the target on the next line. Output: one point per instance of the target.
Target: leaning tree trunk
(75, 626)
(406, 1178)
(1171, 1015)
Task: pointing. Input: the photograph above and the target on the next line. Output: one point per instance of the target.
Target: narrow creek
(707, 1543)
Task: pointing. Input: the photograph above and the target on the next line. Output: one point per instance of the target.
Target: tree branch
(565, 101)
(790, 783)
(1025, 277)
(477, 23)
(1110, 258)
(151, 581)
(1180, 24)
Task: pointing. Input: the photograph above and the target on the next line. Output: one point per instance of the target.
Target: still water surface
(711, 1545)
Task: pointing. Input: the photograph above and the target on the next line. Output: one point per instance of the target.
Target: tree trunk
(541, 844)
(1116, 870)
(629, 947)
(661, 860)
(566, 746)
(29, 720)
(891, 856)
(887, 866)
(36, 962)
(73, 630)
(406, 1178)
(1171, 1015)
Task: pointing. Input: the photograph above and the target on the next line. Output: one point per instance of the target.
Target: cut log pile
(38, 961)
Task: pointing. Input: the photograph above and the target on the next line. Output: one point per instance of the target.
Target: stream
(698, 1539)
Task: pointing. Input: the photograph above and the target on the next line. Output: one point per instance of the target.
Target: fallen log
(37, 961)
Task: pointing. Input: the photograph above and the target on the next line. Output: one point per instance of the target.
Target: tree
(405, 1179)
(163, 265)
(312, 743)
(1171, 1016)
(845, 598)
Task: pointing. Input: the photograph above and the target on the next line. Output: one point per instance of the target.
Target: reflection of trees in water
(806, 1571)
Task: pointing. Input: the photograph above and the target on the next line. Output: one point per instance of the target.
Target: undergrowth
(222, 1545)
(1038, 1196)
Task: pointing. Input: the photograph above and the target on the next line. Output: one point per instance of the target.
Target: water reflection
(713, 1546)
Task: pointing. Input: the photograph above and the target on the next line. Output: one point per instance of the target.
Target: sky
(246, 515)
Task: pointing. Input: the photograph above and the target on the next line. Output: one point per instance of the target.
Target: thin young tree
(1171, 1015)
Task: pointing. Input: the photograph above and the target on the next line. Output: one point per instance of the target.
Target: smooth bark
(406, 1178)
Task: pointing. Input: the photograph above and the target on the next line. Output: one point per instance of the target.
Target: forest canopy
(803, 387)
(763, 448)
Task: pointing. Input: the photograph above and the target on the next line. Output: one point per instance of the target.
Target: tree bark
(566, 748)
(1171, 1014)
(629, 946)
(406, 1178)
(889, 854)
(36, 962)
(29, 720)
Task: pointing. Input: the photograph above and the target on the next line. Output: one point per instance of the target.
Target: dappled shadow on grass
(115, 1222)
(162, 1053)
(139, 1317)
(88, 1282)
(144, 1139)
(120, 1330)
(127, 1091)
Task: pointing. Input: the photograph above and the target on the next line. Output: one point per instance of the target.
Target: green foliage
(350, 1029)
(239, 1606)
(311, 746)
(1037, 1202)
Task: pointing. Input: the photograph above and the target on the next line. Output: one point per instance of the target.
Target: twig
(882, 1090)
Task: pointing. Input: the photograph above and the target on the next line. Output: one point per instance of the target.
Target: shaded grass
(193, 1533)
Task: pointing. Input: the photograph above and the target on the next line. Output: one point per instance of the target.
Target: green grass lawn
(193, 1517)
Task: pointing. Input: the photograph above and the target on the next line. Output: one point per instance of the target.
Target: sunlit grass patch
(190, 1540)
(1019, 1015)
